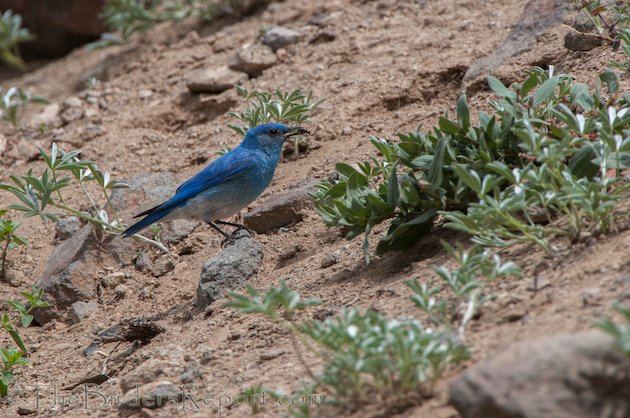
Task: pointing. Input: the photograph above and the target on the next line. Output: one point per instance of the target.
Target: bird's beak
(296, 131)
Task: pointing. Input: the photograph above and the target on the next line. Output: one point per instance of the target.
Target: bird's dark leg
(225, 234)
(228, 237)
(235, 225)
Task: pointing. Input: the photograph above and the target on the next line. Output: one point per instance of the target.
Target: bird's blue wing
(227, 168)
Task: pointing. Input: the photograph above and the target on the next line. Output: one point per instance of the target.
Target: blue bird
(227, 184)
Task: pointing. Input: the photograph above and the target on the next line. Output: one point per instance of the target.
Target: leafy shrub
(38, 194)
(366, 356)
(14, 100)
(11, 34)
(282, 107)
(574, 154)
(11, 356)
(549, 144)
(8, 240)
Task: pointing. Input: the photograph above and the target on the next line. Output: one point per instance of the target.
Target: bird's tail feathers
(148, 212)
(153, 215)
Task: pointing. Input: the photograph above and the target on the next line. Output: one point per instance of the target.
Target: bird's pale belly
(217, 203)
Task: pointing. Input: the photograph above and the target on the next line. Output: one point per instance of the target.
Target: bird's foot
(244, 228)
(239, 227)
(226, 241)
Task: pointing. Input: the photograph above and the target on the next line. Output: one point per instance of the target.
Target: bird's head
(271, 136)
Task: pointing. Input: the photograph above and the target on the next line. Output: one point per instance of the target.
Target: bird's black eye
(273, 132)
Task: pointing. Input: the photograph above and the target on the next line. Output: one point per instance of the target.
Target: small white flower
(352, 331)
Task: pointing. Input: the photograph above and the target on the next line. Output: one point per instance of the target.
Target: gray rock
(582, 41)
(163, 265)
(3, 144)
(143, 262)
(71, 114)
(566, 376)
(81, 310)
(214, 80)
(174, 231)
(330, 259)
(66, 227)
(145, 191)
(230, 269)
(253, 59)
(282, 209)
(279, 37)
(66, 279)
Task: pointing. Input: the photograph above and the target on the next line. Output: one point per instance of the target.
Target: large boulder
(282, 209)
(566, 376)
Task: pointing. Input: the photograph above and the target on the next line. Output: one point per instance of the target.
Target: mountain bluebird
(228, 184)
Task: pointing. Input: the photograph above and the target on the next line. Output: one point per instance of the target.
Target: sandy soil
(394, 66)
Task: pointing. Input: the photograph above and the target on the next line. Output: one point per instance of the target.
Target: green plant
(39, 194)
(574, 154)
(463, 282)
(136, 16)
(607, 19)
(156, 230)
(620, 332)
(623, 40)
(366, 356)
(14, 100)
(610, 21)
(8, 240)
(549, 144)
(282, 107)
(11, 356)
(11, 34)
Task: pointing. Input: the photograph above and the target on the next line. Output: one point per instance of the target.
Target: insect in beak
(296, 131)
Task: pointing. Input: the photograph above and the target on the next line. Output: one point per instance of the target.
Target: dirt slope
(394, 66)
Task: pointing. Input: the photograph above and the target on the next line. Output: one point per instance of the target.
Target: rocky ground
(159, 113)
